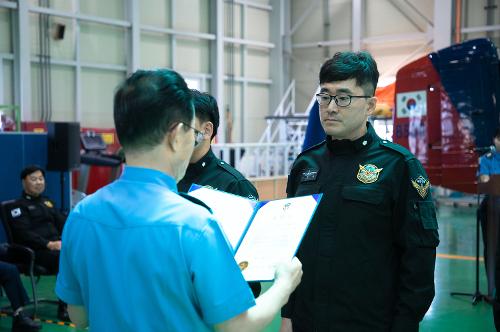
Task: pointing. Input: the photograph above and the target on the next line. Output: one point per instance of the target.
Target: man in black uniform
(369, 254)
(36, 223)
(205, 168)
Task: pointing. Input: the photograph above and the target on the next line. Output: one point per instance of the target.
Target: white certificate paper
(232, 212)
(262, 234)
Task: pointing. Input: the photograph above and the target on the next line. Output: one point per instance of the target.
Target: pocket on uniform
(427, 213)
(365, 194)
(425, 225)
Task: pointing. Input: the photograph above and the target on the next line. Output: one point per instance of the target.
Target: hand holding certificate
(262, 234)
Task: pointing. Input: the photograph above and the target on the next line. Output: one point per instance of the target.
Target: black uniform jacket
(217, 174)
(369, 254)
(212, 172)
(35, 221)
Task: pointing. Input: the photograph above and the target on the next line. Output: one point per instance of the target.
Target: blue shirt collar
(149, 175)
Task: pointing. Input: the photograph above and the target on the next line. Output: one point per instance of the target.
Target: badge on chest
(368, 173)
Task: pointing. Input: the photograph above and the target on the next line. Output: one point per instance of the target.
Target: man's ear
(172, 137)
(372, 104)
(208, 129)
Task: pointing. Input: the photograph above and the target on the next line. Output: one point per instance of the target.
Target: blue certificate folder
(262, 234)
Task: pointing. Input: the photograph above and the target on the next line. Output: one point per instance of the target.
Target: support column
(22, 62)
(281, 38)
(217, 65)
(135, 36)
(442, 24)
(357, 27)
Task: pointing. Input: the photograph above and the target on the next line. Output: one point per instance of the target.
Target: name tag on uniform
(309, 175)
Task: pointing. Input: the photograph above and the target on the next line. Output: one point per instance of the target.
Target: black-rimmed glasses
(198, 135)
(324, 99)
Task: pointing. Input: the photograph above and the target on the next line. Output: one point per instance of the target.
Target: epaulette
(195, 201)
(231, 170)
(314, 147)
(398, 148)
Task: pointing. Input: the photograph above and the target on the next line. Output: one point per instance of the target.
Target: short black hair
(497, 133)
(346, 65)
(146, 106)
(30, 170)
(206, 108)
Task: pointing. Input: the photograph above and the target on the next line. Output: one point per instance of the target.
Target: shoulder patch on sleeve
(398, 148)
(195, 201)
(15, 212)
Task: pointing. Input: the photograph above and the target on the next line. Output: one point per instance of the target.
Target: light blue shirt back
(139, 257)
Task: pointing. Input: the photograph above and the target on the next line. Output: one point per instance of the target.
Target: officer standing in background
(205, 168)
(489, 164)
(369, 254)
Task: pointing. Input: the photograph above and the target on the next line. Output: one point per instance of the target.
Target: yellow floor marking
(465, 258)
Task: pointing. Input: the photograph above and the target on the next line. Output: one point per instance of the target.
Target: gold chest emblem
(48, 204)
(368, 173)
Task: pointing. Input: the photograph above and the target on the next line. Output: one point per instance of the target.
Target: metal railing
(259, 159)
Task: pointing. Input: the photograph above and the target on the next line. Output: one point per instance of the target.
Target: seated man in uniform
(38, 224)
(11, 283)
(205, 168)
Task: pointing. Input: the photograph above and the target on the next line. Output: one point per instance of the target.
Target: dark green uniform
(217, 174)
(368, 256)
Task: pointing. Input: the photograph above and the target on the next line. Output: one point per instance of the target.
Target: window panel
(5, 31)
(257, 109)
(155, 13)
(102, 44)
(197, 11)
(232, 60)
(98, 88)
(233, 112)
(192, 55)
(108, 8)
(257, 25)
(8, 82)
(155, 50)
(63, 93)
(257, 64)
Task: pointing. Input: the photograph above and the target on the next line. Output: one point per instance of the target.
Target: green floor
(447, 314)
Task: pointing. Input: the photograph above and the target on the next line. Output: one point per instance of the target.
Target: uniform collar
(198, 166)
(148, 175)
(30, 197)
(346, 146)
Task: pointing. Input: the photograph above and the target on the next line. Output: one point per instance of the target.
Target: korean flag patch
(15, 212)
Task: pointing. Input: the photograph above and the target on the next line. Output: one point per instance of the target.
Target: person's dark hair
(147, 105)
(346, 65)
(31, 169)
(206, 109)
(497, 133)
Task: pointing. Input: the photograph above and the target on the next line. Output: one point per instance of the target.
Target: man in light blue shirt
(137, 256)
(489, 163)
